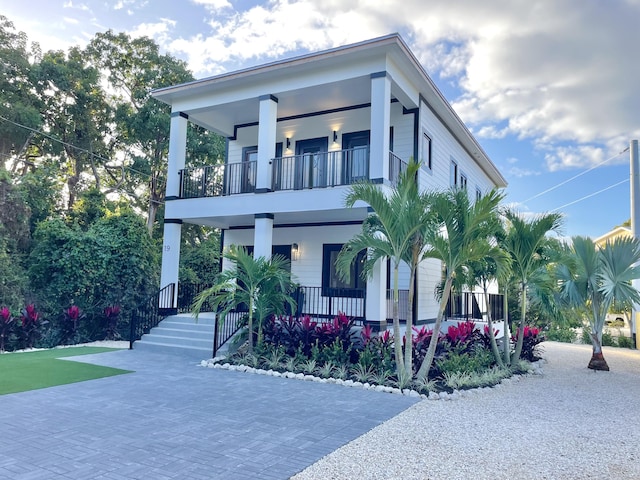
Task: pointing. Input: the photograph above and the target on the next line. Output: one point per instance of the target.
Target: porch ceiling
(222, 118)
(285, 218)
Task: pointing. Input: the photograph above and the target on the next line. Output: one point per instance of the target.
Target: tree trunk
(492, 337)
(408, 334)
(506, 347)
(397, 342)
(523, 313)
(597, 361)
(433, 344)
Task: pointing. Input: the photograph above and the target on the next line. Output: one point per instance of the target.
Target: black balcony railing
(471, 306)
(218, 180)
(403, 305)
(319, 170)
(396, 167)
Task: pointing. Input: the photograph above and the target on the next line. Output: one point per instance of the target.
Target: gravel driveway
(569, 423)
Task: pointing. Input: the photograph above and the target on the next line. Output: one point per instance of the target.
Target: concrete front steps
(181, 335)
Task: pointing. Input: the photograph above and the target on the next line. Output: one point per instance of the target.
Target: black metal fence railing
(322, 169)
(471, 306)
(325, 305)
(218, 180)
(396, 167)
(187, 293)
(403, 305)
(226, 328)
(151, 312)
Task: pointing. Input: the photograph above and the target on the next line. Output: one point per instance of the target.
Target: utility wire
(591, 195)
(576, 176)
(51, 137)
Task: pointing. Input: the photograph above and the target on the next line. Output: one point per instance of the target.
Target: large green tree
(132, 68)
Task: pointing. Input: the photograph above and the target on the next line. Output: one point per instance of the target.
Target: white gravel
(98, 343)
(569, 423)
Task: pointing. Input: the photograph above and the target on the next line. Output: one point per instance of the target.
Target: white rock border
(535, 370)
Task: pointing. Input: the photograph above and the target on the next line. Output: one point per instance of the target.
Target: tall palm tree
(395, 231)
(264, 285)
(525, 242)
(463, 235)
(594, 278)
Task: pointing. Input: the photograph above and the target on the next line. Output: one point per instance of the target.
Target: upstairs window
(426, 151)
(463, 181)
(453, 173)
(478, 194)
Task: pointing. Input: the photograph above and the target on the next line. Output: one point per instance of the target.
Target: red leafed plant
(30, 322)
(111, 314)
(532, 337)
(6, 323)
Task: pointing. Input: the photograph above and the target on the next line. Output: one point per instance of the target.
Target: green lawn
(20, 372)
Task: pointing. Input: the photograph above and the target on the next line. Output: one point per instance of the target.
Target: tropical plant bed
(24, 371)
(338, 352)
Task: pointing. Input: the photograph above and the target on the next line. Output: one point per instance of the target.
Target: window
(426, 150)
(463, 180)
(478, 194)
(454, 173)
(332, 283)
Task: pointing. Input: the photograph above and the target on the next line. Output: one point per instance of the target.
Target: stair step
(193, 353)
(185, 327)
(177, 340)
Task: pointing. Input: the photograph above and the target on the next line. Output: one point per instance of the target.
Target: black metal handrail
(319, 170)
(396, 167)
(465, 306)
(151, 312)
(218, 180)
(403, 305)
(226, 328)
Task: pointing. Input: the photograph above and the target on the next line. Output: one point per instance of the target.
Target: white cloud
(158, 30)
(214, 5)
(72, 21)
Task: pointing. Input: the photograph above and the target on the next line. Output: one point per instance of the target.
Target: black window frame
(426, 156)
(357, 282)
(453, 173)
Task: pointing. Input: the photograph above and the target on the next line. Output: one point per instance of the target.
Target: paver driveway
(173, 419)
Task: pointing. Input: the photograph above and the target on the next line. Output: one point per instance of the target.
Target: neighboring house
(610, 236)
(299, 132)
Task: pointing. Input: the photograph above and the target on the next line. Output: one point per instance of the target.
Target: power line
(51, 137)
(591, 195)
(576, 176)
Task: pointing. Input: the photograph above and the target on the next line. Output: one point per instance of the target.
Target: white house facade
(299, 132)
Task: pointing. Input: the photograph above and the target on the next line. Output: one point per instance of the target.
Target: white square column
(173, 226)
(380, 123)
(263, 235)
(376, 301)
(266, 141)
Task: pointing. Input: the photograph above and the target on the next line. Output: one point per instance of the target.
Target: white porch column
(376, 302)
(266, 141)
(263, 235)
(173, 226)
(380, 122)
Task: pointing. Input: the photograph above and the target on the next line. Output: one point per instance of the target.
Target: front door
(311, 163)
(356, 156)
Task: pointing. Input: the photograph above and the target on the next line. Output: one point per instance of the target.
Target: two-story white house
(299, 132)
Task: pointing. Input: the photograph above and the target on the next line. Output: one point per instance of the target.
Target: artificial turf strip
(20, 372)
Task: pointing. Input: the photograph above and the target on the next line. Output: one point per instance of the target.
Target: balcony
(295, 172)
(320, 170)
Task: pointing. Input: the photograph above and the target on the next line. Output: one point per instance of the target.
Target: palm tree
(525, 241)
(462, 235)
(482, 273)
(395, 230)
(264, 285)
(594, 278)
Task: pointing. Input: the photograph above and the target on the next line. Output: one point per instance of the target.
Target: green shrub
(474, 361)
(562, 334)
(625, 342)
(608, 340)
(586, 336)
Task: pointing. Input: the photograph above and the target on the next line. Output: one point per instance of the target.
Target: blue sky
(549, 88)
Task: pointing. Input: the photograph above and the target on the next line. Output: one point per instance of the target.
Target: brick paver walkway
(172, 419)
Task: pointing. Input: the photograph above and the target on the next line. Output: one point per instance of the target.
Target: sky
(550, 88)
